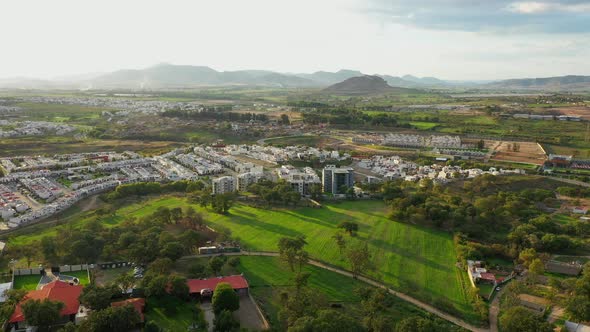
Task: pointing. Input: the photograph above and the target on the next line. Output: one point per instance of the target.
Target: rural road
(579, 183)
(371, 282)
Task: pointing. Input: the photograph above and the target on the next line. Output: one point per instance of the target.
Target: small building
(533, 303)
(208, 250)
(572, 269)
(55, 291)
(576, 327)
(580, 209)
(238, 283)
(137, 303)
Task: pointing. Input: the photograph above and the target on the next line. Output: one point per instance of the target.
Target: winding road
(403, 296)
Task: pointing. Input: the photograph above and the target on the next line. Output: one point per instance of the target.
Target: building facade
(334, 178)
(224, 184)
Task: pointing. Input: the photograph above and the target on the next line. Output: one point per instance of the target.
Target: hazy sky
(450, 39)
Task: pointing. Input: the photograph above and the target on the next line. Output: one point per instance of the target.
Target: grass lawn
(413, 259)
(26, 282)
(485, 290)
(81, 275)
(421, 125)
(562, 219)
(269, 276)
(170, 313)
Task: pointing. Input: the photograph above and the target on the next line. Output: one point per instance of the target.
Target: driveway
(209, 315)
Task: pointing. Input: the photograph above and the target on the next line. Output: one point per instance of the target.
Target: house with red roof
(58, 291)
(137, 303)
(204, 286)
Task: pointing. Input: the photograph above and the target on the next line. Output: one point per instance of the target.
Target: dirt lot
(529, 152)
(581, 111)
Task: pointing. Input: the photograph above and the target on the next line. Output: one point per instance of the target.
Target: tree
(234, 261)
(155, 285)
(315, 191)
(69, 327)
(349, 227)
(176, 214)
(360, 259)
(172, 250)
(285, 119)
(225, 322)
(161, 266)
(151, 326)
(340, 242)
(196, 270)
(178, 286)
(290, 250)
(326, 321)
(519, 319)
(216, 264)
(537, 267)
(527, 256)
(481, 144)
(42, 313)
(225, 298)
(97, 297)
(112, 319)
(125, 281)
(578, 305)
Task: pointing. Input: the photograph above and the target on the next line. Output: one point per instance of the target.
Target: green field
(421, 125)
(416, 260)
(26, 282)
(170, 313)
(268, 277)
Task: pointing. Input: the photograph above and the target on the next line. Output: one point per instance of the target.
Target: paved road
(579, 183)
(371, 282)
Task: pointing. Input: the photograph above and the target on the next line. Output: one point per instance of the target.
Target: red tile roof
(55, 291)
(138, 303)
(488, 276)
(196, 285)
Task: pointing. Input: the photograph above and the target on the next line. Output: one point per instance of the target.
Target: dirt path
(579, 183)
(405, 297)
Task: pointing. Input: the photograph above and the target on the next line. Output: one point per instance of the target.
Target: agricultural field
(527, 152)
(301, 140)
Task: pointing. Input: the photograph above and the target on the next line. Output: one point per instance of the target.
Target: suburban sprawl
(350, 205)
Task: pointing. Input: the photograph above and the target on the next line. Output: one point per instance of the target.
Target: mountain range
(168, 76)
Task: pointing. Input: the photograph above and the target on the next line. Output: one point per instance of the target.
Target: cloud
(538, 7)
(497, 16)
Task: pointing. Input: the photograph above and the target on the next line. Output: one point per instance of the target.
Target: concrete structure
(224, 184)
(333, 178)
(247, 179)
(300, 180)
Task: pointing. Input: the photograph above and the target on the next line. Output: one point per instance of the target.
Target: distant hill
(364, 85)
(329, 78)
(559, 83)
(170, 76)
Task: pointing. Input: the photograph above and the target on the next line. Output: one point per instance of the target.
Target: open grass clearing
(416, 260)
(29, 282)
(171, 313)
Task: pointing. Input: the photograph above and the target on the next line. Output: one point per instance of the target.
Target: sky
(448, 39)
